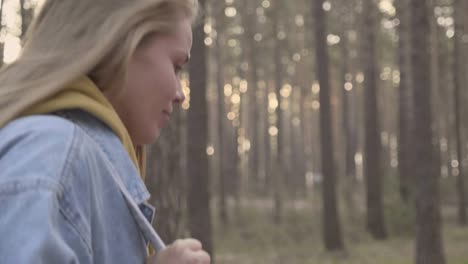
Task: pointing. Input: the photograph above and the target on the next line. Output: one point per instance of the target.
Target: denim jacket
(69, 193)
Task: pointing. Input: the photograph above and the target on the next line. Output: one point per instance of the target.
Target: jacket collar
(111, 145)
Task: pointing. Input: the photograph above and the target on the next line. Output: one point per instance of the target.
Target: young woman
(96, 82)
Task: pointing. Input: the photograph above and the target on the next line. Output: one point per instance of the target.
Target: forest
(320, 131)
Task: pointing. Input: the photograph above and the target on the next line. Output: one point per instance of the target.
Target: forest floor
(251, 237)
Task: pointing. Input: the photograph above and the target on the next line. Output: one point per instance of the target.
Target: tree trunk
(268, 165)
(279, 172)
(429, 248)
(26, 17)
(442, 91)
(299, 155)
(331, 231)
(372, 159)
(460, 81)
(405, 103)
(349, 117)
(249, 22)
(2, 45)
(197, 160)
(465, 12)
(165, 180)
(304, 139)
(437, 88)
(223, 169)
(241, 136)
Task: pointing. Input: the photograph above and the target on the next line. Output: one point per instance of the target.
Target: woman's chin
(149, 138)
(156, 133)
(156, 136)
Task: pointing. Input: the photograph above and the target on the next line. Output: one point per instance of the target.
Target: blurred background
(314, 131)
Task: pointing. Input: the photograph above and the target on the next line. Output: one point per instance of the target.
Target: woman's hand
(182, 251)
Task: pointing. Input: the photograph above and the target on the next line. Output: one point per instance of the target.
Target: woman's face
(153, 86)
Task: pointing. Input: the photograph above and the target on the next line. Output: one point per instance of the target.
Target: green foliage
(400, 217)
(252, 238)
(447, 190)
(256, 227)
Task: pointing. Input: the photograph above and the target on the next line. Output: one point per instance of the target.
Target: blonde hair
(72, 38)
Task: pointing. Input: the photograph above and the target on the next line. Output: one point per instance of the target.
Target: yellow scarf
(85, 95)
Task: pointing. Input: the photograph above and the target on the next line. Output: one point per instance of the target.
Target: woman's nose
(179, 97)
